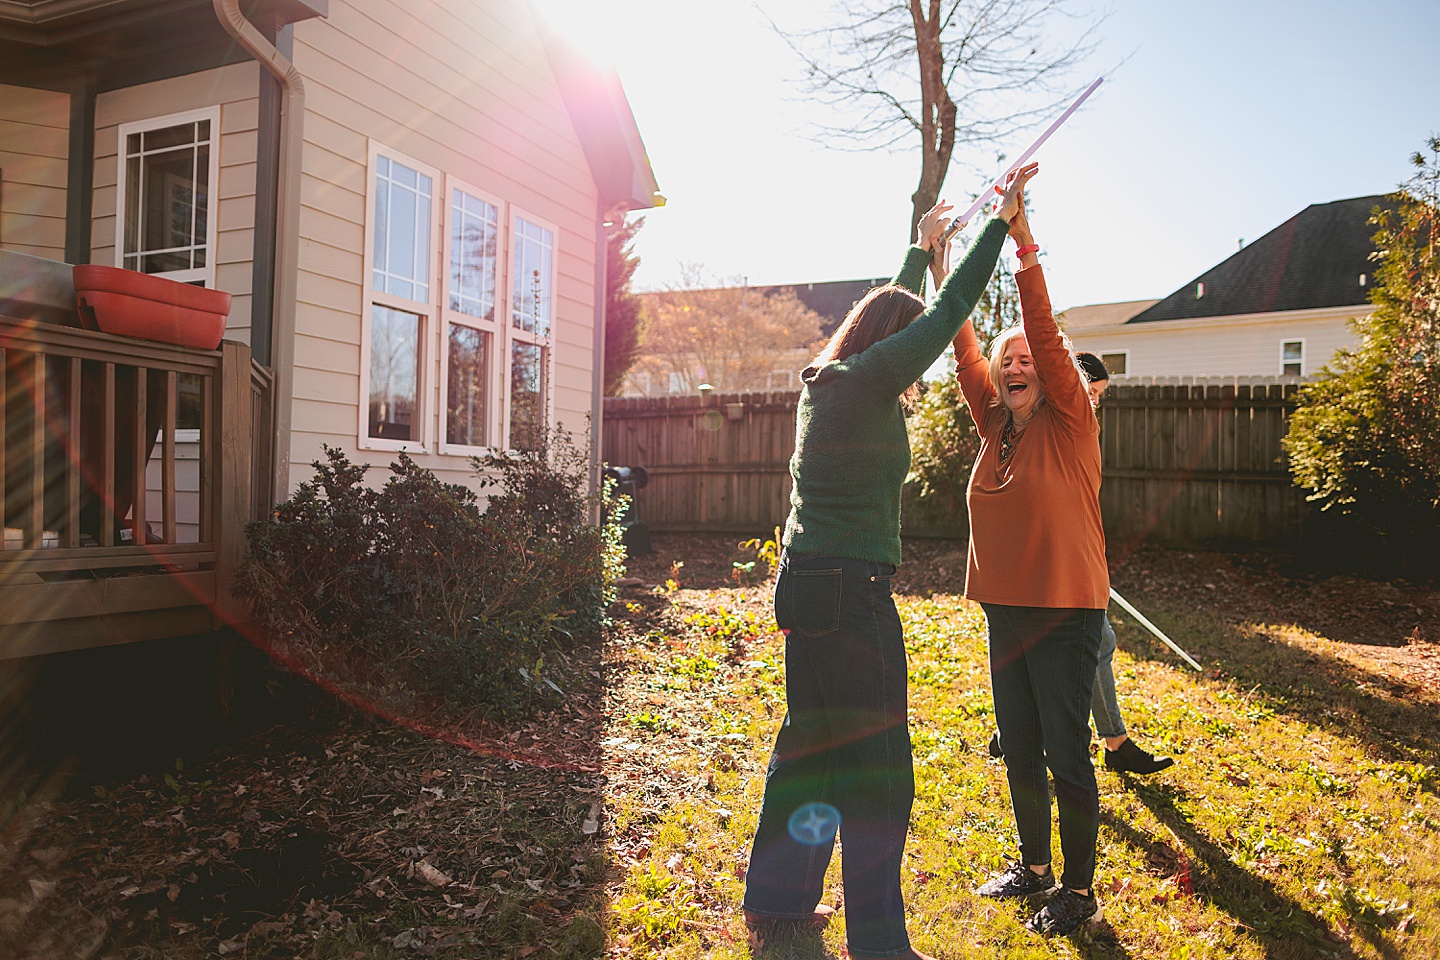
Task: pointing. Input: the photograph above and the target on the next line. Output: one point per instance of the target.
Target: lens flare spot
(814, 824)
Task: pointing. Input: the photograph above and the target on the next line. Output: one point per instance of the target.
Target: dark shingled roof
(1312, 260)
(832, 299)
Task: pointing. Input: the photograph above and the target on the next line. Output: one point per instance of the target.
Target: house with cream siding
(1278, 307)
(405, 201)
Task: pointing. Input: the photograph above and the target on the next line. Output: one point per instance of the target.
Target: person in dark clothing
(842, 758)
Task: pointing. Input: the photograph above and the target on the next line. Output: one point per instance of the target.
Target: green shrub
(943, 445)
(414, 589)
(1365, 438)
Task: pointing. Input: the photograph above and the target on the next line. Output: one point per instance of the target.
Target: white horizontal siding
(465, 88)
(1223, 346)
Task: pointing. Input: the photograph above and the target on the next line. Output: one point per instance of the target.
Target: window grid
(402, 230)
(166, 199)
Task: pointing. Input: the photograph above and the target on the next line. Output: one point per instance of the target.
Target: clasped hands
(933, 231)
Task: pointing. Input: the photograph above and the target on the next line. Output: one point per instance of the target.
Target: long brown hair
(883, 311)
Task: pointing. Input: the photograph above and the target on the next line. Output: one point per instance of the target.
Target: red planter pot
(134, 304)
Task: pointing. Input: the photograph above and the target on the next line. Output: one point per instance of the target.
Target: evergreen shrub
(414, 590)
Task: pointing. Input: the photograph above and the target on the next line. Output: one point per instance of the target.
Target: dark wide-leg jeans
(845, 743)
(1042, 673)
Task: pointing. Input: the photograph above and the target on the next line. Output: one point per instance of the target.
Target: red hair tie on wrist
(1031, 248)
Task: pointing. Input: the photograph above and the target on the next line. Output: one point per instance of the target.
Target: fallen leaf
(431, 875)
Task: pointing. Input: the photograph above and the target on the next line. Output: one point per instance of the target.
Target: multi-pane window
(402, 230)
(531, 304)
(530, 293)
(400, 313)
(166, 196)
(1292, 357)
(394, 374)
(474, 236)
(467, 401)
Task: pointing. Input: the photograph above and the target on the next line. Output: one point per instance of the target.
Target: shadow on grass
(1320, 690)
(1281, 925)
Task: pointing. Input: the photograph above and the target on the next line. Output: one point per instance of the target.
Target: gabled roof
(606, 127)
(1313, 260)
(1102, 314)
(832, 299)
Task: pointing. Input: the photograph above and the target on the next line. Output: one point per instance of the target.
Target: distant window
(1292, 358)
(165, 198)
(1362, 279)
(1117, 363)
(1199, 290)
(779, 379)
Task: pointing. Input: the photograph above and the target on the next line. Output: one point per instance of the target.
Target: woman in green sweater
(842, 757)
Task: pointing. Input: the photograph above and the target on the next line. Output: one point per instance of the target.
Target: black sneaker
(994, 746)
(1017, 880)
(1064, 913)
(1128, 758)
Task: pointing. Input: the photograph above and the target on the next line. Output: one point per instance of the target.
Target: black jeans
(1042, 673)
(845, 743)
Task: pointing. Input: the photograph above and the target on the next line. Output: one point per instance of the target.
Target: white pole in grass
(1153, 629)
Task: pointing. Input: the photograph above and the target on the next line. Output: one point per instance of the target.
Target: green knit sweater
(852, 451)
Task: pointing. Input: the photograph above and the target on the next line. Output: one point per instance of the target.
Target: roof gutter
(287, 227)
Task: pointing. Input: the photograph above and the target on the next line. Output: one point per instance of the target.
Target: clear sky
(1227, 118)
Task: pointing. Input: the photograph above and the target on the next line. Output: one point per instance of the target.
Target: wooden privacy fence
(1188, 463)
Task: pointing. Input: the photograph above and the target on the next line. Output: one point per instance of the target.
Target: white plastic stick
(1153, 629)
(988, 192)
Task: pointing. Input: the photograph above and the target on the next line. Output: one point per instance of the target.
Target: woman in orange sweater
(1037, 567)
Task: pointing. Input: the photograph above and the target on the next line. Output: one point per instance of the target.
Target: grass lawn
(1301, 820)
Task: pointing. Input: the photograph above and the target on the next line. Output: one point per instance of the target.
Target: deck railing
(91, 426)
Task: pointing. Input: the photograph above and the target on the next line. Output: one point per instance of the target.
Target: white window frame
(1283, 361)
(1102, 354)
(515, 335)
(497, 376)
(205, 274)
(426, 310)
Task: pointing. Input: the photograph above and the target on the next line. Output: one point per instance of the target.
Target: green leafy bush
(1365, 438)
(943, 445)
(412, 588)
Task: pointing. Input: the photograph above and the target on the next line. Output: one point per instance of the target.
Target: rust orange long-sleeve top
(1035, 533)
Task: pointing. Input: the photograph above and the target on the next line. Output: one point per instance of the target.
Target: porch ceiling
(57, 44)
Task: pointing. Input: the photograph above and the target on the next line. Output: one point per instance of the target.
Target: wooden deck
(92, 429)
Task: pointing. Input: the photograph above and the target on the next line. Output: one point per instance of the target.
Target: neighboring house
(1280, 306)
(406, 202)
(653, 375)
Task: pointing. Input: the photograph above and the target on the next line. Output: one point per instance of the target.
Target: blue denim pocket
(814, 601)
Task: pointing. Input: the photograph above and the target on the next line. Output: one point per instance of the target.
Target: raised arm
(1063, 387)
(902, 358)
(927, 234)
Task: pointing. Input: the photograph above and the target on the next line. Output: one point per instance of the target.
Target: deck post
(232, 478)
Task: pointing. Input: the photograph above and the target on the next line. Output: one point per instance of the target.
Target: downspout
(597, 378)
(287, 227)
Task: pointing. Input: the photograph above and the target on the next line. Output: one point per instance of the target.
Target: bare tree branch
(961, 74)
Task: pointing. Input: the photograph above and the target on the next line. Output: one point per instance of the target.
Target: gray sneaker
(1017, 880)
(1064, 913)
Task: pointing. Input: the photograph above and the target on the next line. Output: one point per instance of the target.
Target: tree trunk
(937, 114)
